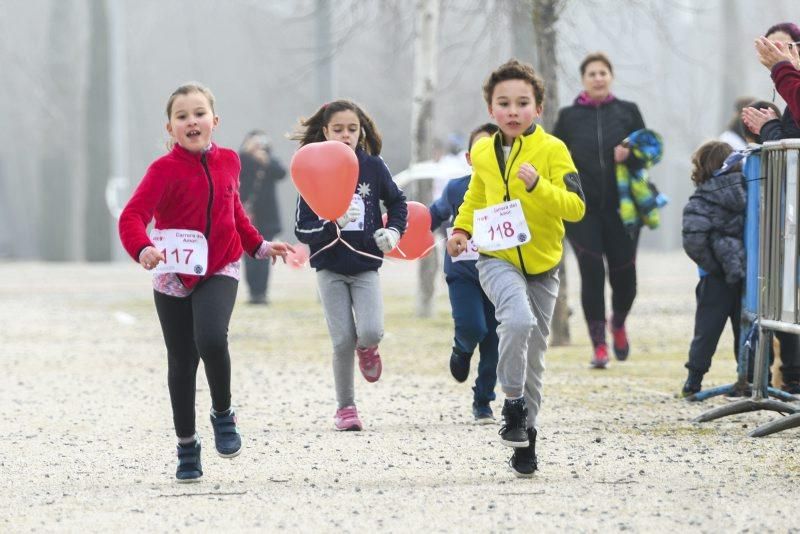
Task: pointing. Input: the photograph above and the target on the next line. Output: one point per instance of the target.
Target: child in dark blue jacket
(347, 266)
(473, 312)
(713, 237)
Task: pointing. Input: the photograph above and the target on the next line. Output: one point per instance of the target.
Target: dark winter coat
(783, 128)
(591, 133)
(713, 226)
(375, 185)
(258, 192)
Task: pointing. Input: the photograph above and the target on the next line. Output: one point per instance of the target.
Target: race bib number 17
(185, 251)
(500, 226)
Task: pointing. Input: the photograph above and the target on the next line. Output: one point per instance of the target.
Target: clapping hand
(755, 119)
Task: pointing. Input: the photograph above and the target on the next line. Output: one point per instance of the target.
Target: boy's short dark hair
(513, 69)
(488, 128)
(708, 158)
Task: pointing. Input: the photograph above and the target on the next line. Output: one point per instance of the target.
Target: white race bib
(358, 224)
(500, 226)
(186, 251)
(469, 254)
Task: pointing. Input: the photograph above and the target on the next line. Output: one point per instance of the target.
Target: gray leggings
(523, 307)
(353, 308)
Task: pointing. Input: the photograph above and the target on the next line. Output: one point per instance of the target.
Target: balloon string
(345, 243)
(365, 254)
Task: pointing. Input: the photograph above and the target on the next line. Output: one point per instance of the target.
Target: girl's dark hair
(488, 128)
(514, 69)
(790, 28)
(310, 130)
(736, 123)
(596, 56)
(708, 158)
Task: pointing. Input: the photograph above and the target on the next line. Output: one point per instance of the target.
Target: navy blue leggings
(196, 327)
(473, 315)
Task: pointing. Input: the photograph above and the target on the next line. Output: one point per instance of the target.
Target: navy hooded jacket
(445, 208)
(375, 185)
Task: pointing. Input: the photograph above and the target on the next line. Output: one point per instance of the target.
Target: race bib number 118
(500, 226)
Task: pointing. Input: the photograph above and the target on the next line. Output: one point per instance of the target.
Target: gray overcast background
(682, 61)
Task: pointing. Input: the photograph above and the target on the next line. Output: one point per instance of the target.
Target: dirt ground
(89, 445)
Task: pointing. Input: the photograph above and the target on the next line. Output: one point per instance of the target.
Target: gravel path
(89, 446)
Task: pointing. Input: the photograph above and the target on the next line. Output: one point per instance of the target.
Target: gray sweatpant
(523, 307)
(353, 308)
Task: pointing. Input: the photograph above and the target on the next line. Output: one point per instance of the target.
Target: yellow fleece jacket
(556, 196)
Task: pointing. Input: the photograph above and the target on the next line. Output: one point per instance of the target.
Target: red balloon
(299, 258)
(418, 239)
(326, 174)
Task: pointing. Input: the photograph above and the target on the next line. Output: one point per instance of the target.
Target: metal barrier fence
(770, 302)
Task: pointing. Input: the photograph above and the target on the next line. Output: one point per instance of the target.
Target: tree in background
(97, 220)
(426, 13)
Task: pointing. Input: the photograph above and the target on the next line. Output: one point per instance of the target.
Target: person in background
(593, 128)
(261, 172)
(734, 133)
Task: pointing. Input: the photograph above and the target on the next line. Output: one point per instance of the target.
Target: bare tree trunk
(97, 220)
(57, 229)
(545, 14)
(425, 79)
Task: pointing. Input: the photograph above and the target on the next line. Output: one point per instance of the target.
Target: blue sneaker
(226, 435)
(189, 467)
(483, 413)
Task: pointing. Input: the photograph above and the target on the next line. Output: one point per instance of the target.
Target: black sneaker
(459, 364)
(690, 388)
(189, 466)
(226, 435)
(483, 413)
(515, 418)
(523, 462)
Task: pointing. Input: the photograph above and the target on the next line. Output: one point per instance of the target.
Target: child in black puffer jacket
(713, 230)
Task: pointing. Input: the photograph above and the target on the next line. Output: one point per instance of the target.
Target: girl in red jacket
(201, 230)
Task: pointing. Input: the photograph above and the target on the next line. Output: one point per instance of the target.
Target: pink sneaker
(600, 358)
(347, 419)
(621, 346)
(369, 362)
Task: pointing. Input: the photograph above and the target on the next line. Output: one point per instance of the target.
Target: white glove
(386, 238)
(351, 215)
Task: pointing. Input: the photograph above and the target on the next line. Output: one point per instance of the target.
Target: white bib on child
(185, 251)
(500, 226)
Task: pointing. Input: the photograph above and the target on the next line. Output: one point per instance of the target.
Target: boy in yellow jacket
(524, 184)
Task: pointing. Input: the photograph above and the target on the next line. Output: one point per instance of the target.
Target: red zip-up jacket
(787, 82)
(193, 191)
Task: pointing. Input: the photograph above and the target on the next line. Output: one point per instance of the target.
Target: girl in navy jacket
(348, 252)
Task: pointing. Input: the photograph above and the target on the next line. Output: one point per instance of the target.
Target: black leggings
(601, 234)
(196, 327)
